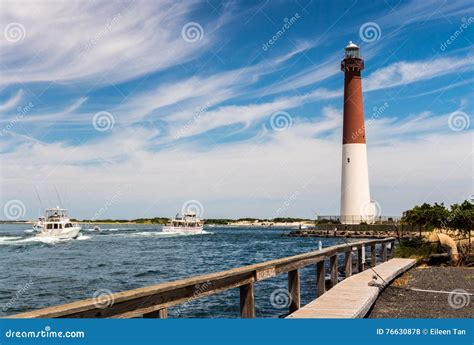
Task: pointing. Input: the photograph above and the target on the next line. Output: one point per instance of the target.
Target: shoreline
(293, 225)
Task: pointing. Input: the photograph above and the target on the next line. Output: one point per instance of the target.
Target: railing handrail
(149, 299)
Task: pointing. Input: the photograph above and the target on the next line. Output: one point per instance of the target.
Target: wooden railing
(154, 301)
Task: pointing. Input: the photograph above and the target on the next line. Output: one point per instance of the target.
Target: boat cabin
(188, 220)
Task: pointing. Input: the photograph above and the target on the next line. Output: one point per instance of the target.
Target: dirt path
(399, 301)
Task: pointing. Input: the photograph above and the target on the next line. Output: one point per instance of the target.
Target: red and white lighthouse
(356, 206)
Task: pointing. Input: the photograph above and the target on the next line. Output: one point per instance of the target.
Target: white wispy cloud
(12, 102)
(414, 11)
(309, 76)
(242, 114)
(106, 41)
(405, 72)
(262, 173)
(101, 43)
(48, 119)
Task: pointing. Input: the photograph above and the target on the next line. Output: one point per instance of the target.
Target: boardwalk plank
(354, 296)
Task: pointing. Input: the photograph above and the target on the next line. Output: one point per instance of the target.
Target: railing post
(294, 290)
(392, 249)
(159, 314)
(360, 261)
(384, 252)
(334, 272)
(247, 301)
(348, 263)
(373, 256)
(321, 278)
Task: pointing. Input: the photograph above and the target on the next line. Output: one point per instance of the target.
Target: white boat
(57, 224)
(188, 224)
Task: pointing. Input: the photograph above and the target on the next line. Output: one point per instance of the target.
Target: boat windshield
(189, 219)
(56, 213)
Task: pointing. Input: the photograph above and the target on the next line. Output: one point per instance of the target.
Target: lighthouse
(356, 206)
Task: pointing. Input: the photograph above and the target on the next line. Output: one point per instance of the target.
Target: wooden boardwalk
(354, 296)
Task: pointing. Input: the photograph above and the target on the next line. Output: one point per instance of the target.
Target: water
(37, 273)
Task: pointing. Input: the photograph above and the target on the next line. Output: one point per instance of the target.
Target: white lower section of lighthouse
(356, 206)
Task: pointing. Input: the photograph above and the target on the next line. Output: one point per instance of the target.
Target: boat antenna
(59, 198)
(39, 199)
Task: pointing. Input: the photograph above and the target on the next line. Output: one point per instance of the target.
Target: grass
(415, 249)
(401, 281)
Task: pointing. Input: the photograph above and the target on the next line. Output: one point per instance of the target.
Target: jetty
(400, 231)
(370, 260)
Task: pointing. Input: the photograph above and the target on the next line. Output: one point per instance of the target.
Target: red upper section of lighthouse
(353, 128)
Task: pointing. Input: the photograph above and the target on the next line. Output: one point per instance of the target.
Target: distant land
(212, 221)
(456, 216)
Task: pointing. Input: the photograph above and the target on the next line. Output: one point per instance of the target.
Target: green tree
(437, 215)
(426, 215)
(461, 216)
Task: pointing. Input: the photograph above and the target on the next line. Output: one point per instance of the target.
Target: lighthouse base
(356, 206)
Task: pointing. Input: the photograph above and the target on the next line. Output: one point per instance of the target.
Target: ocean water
(39, 273)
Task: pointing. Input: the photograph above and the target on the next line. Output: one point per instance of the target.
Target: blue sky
(130, 109)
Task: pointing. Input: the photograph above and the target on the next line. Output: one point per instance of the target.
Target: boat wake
(168, 234)
(9, 239)
(110, 230)
(18, 240)
(155, 234)
(22, 240)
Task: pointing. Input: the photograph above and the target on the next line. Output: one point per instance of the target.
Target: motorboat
(188, 224)
(56, 223)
